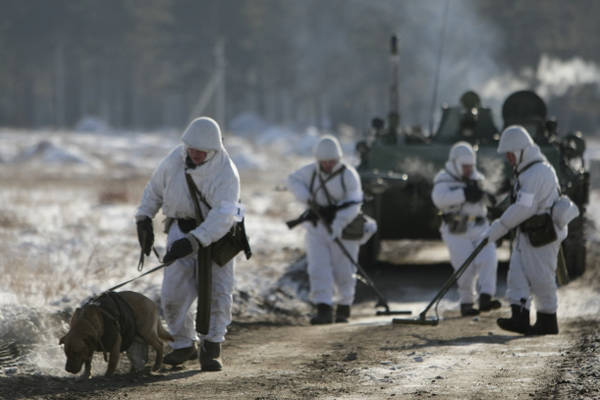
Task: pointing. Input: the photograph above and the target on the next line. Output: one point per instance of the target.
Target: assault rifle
(307, 215)
(313, 214)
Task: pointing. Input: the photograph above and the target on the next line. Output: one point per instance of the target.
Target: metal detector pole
(449, 283)
(382, 301)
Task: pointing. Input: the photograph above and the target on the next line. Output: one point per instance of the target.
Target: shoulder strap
(525, 168)
(194, 192)
(323, 183)
(452, 175)
(312, 181)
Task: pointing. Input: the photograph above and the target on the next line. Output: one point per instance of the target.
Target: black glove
(145, 233)
(179, 248)
(473, 193)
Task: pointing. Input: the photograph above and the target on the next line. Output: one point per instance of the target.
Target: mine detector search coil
(422, 319)
(362, 275)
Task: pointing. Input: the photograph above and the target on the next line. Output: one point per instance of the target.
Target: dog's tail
(164, 334)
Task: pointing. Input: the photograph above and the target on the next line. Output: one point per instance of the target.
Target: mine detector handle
(454, 277)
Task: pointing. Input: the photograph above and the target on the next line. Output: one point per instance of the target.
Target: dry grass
(10, 220)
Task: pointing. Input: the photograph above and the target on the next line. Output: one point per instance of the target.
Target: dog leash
(141, 261)
(137, 277)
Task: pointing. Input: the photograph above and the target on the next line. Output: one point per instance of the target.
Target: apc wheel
(574, 247)
(367, 256)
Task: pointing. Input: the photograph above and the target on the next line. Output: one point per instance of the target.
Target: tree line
(146, 64)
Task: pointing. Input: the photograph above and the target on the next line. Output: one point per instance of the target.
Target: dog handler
(327, 184)
(203, 157)
(533, 261)
(458, 195)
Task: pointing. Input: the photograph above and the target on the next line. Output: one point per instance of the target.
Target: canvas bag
(234, 241)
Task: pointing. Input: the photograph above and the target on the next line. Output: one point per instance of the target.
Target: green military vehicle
(397, 168)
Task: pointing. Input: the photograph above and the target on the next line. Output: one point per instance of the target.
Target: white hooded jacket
(537, 188)
(218, 181)
(299, 184)
(448, 194)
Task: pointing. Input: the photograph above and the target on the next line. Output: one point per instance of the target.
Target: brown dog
(110, 324)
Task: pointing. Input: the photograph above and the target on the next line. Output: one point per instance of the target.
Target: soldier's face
(197, 156)
(327, 165)
(511, 158)
(467, 170)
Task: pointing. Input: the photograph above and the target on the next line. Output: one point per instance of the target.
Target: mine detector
(397, 166)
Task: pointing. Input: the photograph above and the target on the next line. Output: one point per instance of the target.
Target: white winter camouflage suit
(218, 180)
(448, 196)
(532, 270)
(328, 267)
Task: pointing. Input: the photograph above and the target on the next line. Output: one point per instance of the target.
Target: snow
(67, 232)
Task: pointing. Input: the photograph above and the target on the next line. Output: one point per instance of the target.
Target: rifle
(315, 212)
(307, 215)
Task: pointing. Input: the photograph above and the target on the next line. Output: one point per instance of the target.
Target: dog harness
(118, 315)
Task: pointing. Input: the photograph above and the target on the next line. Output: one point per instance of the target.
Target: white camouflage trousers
(532, 271)
(330, 272)
(480, 276)
(179, 293)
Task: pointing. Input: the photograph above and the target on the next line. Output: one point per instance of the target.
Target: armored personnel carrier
(397, 168)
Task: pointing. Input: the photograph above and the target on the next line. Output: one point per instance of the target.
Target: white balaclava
(203, 134)
(328, 148)
(461, 153)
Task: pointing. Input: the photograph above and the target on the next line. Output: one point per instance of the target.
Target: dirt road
(369, 358)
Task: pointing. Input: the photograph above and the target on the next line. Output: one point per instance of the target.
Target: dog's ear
(76, 314)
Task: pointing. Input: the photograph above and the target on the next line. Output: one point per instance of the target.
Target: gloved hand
(180, 248)
(145, 233)
(328, 213)
(495, 232)
(473, 193)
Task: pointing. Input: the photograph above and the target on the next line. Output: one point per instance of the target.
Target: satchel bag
(355, 230)
(234, 241)
(539, 229)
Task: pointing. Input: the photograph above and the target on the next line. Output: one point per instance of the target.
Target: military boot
(486, 303)
(545, 324)
(210, 356)
(518, 322)
(342, 313)
(179, 356)
(324, 315)
(467, 310)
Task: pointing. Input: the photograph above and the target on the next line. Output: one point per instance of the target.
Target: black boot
(545, 324)
(180, 356)
(518, 322)
(486, 303)
(210, 356)
(467, 310)
(342, 313)
(324, 315)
